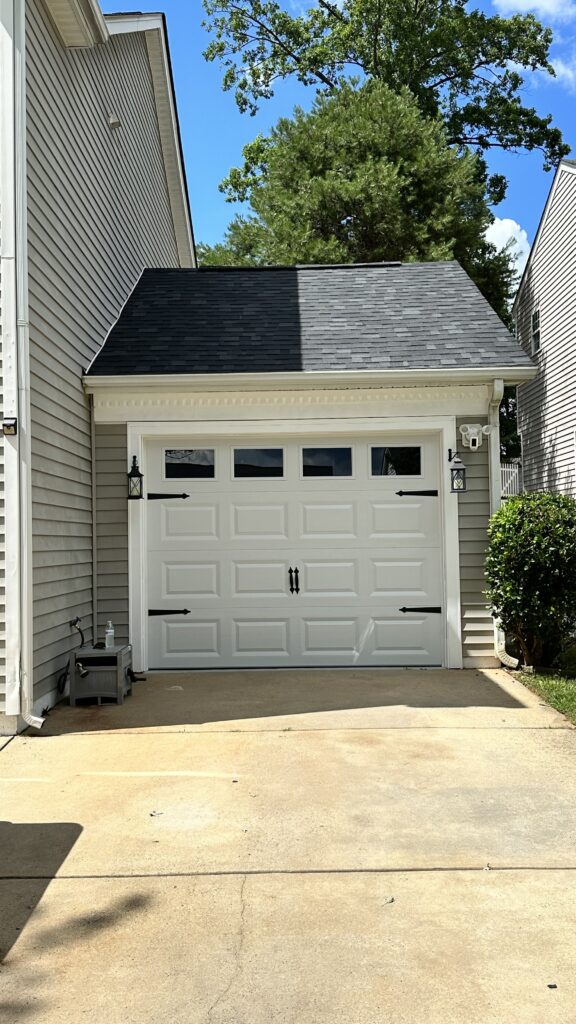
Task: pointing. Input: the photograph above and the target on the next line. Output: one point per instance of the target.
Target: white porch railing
(511, 475)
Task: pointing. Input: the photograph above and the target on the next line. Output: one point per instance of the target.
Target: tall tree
(363, 177)
(459, 63)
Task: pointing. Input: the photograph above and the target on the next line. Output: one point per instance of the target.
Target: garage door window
(189, 463)
(326, 462)
(396, 461)
(258, 462)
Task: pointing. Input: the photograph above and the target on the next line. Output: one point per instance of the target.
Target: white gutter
(19, 624)
(494, 444)
(306, 379)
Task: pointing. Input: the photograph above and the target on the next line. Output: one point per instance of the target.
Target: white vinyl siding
(98, 214)
(474, 513)
(112, 529)
(547, 405)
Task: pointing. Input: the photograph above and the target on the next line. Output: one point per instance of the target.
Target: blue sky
(214, 131)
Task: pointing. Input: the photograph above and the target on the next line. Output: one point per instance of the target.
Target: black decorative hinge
(168, 611)
(421, 494)
(155, 496)
(435, 611)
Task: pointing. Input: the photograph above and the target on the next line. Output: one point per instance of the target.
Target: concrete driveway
(329, 847)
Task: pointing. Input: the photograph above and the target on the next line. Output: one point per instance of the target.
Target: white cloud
(502, 230)
(549, 10)
(565, 73)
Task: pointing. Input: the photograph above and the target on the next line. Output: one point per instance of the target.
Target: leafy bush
(531, 572)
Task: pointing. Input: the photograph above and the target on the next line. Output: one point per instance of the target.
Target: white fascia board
(306, 379)
(119, 24)
(564, 167)
(153, 26)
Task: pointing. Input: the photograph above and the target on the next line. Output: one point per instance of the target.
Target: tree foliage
(363, 178)
(531, 572)
(458, 63)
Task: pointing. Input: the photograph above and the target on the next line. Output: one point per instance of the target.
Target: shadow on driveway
(32, 854)
(196, 698)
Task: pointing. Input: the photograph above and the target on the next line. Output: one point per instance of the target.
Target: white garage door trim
(443, 427)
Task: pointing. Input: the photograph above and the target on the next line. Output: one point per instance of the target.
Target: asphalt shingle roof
(363, 317)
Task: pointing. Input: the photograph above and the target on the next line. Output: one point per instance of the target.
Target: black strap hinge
(156, 496)
(419, 494)
(432, 610)
(168, 611)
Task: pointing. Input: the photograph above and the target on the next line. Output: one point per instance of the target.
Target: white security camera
(473, 435)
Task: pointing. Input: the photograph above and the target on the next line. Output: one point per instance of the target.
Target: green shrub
(531, 572)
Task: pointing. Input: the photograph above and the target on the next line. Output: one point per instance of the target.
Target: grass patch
(557, 690)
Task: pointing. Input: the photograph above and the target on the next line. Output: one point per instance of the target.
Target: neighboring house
(294, 427)
(92, 191)
(545, 317)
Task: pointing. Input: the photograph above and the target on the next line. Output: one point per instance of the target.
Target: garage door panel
(325, 635)
(259, 579)
(328, 577)
(328, 521)
(403, 521)
(259, 637)
(191, 639)
(257, 522)
(412, 640)
(190, 580)
(406, 576)
(188, 523)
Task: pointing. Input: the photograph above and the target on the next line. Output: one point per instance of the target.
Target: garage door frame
(444, 427)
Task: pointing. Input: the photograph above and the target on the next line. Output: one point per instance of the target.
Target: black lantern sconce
(135, 481)
(457, 473)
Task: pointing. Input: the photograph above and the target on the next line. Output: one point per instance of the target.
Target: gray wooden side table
(101, 673)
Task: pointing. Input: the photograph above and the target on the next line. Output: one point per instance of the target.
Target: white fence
(511, 476)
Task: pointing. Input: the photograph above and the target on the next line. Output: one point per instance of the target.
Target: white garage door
(294, 553)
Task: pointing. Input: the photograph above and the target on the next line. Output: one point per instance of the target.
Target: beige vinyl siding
(98, 213)
(474, 513)
(112, 528)
(547, 405)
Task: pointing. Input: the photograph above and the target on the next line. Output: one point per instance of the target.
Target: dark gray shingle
(365, 317)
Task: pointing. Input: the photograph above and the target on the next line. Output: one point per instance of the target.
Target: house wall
(112, 549)
(2, 538)
(98, 214)
(474, 513)
(547, 405)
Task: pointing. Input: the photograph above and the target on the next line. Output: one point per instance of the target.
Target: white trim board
(288, 405)
(443, 426)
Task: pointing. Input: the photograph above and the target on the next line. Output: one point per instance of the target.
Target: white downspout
(496, 498)
(19, 622)
(494, 454)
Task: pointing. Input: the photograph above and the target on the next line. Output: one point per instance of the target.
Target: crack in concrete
(237, 955)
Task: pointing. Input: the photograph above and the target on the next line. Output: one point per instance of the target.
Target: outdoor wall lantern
(135, 481)
(457, 472)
